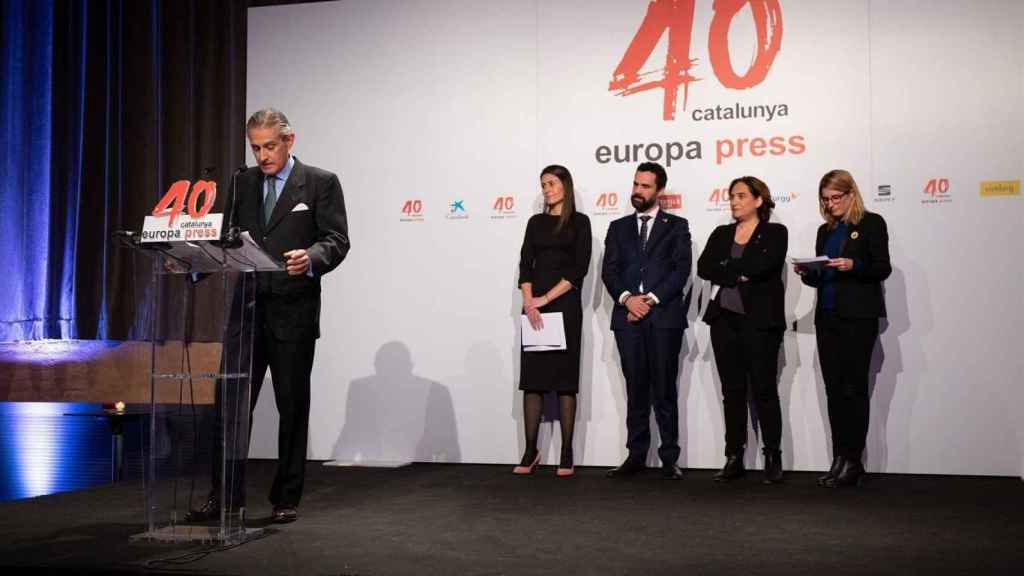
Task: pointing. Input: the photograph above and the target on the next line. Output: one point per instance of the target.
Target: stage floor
(469, 519)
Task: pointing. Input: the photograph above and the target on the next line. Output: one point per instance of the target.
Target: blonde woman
(849, 303)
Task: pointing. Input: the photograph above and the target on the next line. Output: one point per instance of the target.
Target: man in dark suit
(296, 213)
(646, 267)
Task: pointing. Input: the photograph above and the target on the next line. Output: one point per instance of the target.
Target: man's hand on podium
(297, 262)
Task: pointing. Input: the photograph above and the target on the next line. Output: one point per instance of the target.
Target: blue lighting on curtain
(37, 237)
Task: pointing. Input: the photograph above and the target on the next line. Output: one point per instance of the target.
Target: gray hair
(269, 118)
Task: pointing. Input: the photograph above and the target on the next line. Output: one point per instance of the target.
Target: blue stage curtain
(36, 259)
(105, 103)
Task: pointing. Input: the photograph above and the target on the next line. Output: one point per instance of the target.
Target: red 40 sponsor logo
(607, 203)
(676, 16)
(178, 215)
(412, 210)
(936, 190)
(503, 207)
(172, 204)
(718, 200)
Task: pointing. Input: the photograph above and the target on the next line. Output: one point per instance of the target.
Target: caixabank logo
(457, 210)
(676, 18)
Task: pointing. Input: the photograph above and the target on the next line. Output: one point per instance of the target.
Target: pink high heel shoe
(521, 470)
(564, 472)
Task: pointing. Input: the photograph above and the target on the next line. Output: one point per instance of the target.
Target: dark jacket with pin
(663, 268)
(762, 264)
(858, 291)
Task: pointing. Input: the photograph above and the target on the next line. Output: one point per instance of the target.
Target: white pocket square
(300, 207)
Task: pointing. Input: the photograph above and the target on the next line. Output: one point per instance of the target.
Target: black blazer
(859, 291)
(762, 263)
(321, 229)
(663, 268)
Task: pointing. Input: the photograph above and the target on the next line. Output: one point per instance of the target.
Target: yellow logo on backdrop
(1000, 188)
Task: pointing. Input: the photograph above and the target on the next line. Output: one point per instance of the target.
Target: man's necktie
(270, 200)
(643, 232)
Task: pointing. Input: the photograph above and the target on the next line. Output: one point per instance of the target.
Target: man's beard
(641, 205)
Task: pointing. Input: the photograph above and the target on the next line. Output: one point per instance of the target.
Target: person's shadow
(395, 417)
(887, 365)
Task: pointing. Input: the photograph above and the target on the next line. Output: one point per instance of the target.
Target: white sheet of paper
(550, 337)
(250, 252)
(816, 263)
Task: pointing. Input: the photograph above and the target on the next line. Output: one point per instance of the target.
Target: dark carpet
(468, 519)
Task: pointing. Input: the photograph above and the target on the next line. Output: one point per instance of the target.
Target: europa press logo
(412, 210)
(718, 200)
(607, 204)
(677, 17)
(504, 207)
(936, 191)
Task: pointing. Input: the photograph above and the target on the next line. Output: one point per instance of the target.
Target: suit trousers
(650, 365)
(747, 356)
(845, 346)
(290, 363)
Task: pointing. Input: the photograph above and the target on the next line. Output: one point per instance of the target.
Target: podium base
(196, 533)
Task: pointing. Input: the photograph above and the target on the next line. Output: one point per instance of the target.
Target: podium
(188, 460)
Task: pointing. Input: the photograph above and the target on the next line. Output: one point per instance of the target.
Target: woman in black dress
(553, 262)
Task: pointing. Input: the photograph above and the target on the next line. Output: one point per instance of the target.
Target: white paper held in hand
(816, 263)
(550, 337)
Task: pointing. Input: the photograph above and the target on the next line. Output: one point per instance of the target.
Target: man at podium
(296, 213)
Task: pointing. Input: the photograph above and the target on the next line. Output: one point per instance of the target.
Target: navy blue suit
(649, 349)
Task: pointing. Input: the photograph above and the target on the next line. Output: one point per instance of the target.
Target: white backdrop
(421, 105)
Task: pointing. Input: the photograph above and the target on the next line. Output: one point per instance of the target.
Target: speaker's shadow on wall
(395, 417)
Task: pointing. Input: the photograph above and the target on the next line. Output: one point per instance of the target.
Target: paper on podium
(550, 337)
(816, 263)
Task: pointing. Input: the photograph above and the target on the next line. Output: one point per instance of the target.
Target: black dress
(549, 255)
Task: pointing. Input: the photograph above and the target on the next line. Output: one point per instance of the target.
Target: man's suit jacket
(309, 214)
(859, 291)
(762, 263)
(663, 268)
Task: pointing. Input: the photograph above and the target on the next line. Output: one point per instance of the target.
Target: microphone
(232, 237)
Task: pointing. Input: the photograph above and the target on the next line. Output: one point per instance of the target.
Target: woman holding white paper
(554, 260)
(850, 302)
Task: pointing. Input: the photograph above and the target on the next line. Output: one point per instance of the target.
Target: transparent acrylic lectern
(200, 391)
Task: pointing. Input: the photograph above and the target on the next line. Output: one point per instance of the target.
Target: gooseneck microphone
(232, 236)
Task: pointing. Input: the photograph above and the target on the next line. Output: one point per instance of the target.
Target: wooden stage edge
(101, 370)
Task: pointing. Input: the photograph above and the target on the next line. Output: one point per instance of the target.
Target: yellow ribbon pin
(854, 235)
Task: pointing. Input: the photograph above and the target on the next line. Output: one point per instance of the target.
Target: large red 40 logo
(172, 204)
(677, 17)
